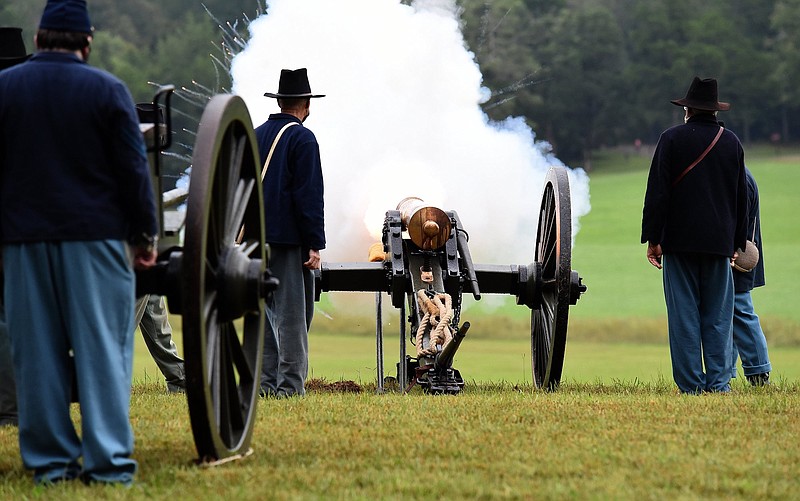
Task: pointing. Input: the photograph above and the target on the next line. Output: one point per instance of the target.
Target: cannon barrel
(428, 227)
(444, 359)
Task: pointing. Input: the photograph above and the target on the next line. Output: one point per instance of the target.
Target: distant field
(618, 328)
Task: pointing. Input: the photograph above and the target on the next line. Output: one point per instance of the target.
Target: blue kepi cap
(66, 15)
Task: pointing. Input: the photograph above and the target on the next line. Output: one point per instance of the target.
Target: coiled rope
(438, 313)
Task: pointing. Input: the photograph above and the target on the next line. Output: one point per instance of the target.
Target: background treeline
(151, 42)
(586, 74)
(594, 73)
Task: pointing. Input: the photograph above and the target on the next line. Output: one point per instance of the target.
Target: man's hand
(314, 261)
(734, 258)
(654, 255)
(144, 257)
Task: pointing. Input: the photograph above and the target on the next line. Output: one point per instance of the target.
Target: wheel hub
(242, 284)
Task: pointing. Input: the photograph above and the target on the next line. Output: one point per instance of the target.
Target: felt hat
(292, 84)
(12, 47)
(66, 15)
(702, 95)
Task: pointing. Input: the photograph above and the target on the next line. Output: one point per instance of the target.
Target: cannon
(218, 279)
(423, 259)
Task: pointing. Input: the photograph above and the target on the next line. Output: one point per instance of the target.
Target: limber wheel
(223, 306)
(552, 262)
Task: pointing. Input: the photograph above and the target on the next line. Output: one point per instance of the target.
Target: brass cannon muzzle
(427, 226)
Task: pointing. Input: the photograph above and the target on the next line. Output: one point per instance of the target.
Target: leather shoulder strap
(700, 158)
(272, 148)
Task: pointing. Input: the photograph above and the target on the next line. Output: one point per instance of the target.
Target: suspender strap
(264, 170)
(700, 158)
(272, 149)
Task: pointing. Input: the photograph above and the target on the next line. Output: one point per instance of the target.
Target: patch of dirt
(322, 385)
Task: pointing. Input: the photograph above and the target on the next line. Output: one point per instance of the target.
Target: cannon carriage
(218, 279)
(425, 266)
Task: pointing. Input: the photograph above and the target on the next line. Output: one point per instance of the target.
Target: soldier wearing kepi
(295, 231)
(77, 214)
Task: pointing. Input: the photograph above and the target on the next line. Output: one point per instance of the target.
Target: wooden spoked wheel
(552, 268)
(223, 305)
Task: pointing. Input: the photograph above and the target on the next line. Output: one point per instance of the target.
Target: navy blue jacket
(706, 212)
(294, 212)
(745, 281)
(72, 157)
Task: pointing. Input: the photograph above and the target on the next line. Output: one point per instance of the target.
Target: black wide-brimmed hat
(702, 95)
(12, 47)
(293, 84)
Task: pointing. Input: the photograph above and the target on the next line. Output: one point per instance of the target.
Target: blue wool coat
(706, 212)
(72, 157)
(294, 212)
(745, 281)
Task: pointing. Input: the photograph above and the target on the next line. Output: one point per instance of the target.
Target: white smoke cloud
(402, 117)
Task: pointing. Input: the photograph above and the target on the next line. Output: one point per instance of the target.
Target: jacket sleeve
(132, 166)
(742, 207)
(656, 199)
(308, 196)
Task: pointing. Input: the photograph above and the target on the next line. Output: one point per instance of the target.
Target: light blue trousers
(289, 315)
(698, 289)
(749, 341)
(78, 296)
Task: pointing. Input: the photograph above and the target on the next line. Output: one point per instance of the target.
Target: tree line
(585, 74)
(593, 73)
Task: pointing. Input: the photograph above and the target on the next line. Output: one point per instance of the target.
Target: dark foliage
(585, 74)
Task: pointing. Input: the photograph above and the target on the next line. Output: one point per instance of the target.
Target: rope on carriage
(438, 313)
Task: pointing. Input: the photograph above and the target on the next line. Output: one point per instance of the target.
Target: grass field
(617, 428)
(618, 328)
(614, 441)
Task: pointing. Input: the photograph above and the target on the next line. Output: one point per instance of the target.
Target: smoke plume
(402, 117)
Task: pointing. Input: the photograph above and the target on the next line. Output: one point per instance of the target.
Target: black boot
(759, 379)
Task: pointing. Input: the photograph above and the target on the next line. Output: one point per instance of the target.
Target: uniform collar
(56, 56)
(703, 118)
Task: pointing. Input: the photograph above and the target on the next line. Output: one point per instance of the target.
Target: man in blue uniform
(76, 216)
(295, 232)
(12, 52)
(694, 218)
(748, 337)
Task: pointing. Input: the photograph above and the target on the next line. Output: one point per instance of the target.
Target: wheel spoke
(235, 156)
(247, 248)
(239, 360)
(211, 332)
(233, 356)
(213, 248)
(238, 206)
(229, 406)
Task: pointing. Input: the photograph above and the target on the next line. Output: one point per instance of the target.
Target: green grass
(637, 440)
(616, 429)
